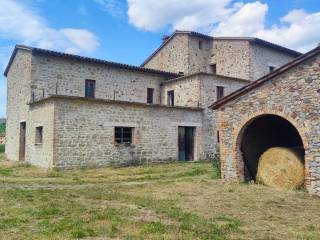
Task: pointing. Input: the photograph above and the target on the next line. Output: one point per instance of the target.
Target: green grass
(2, 148)
(171, 201)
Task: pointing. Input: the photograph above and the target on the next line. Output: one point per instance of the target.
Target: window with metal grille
(90, 87)
(170, 98)
(123, 135)
(213, 68)
(220, 92)
(150, 95)
(39, 135)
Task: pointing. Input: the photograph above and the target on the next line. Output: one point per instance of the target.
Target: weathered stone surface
(233, 58)
(289, 95)
(84, 133)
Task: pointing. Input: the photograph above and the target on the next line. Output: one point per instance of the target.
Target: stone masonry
(292, 93)
(244, 58)
(46, 91)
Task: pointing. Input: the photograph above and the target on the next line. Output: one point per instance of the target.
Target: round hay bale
(281, 168)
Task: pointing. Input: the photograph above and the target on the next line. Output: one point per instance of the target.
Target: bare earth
(174, 201)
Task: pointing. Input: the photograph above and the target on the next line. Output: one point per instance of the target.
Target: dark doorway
(263, 133)
(186, 143)
(22, 141)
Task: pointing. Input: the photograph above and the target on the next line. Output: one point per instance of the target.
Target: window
(90, 88)
(200, 45)
(272, 68)
(123, 135)
(170, 96)
(213, 68)
(220, 93)
(39, 135)
(150, 95)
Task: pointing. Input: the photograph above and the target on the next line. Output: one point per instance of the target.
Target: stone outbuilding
(279, 109)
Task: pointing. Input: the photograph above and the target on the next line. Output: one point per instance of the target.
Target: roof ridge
(234, 95)
(201, 35)
(83, 58)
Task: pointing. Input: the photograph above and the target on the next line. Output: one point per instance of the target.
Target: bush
(216, 164)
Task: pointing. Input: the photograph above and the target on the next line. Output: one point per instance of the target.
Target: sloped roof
(250, 87)
(39, 51)
(249, 39)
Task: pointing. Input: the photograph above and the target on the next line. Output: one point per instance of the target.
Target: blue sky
(128, 31)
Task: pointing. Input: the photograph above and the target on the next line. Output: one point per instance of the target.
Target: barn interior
(263, 133)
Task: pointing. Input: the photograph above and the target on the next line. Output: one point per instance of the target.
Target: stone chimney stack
(165, 38)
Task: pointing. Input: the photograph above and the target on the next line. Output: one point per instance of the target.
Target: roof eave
(270, 76)
(6, 71)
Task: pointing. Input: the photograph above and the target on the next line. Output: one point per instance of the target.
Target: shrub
(216, 164)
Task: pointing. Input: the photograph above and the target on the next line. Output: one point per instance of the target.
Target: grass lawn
(174, 201)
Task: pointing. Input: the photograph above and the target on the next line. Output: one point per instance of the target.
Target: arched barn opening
(265, 132)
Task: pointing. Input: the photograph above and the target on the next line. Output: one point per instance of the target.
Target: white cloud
(297, 30)
(19, 23)
(245, 21)
(115, 8)
(81, 38)
(179, 14)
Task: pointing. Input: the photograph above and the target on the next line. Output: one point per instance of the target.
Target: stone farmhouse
(67, 111)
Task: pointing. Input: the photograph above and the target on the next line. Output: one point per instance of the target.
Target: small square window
(220, 93)
(123, 135)
(272, 68)
(213, 68)
(39, 135)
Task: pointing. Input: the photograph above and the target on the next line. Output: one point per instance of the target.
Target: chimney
(165, 38)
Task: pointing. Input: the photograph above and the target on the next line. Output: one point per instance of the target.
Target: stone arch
(247, 120)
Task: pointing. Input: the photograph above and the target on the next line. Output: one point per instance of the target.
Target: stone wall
(199, 90)
(67, 77)
(237, 58)
(40, 115)
(18, 97)
(199, 58)
(173, 57)
(232, 58)
(85, 133)
(293, 95)
(262, 58)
